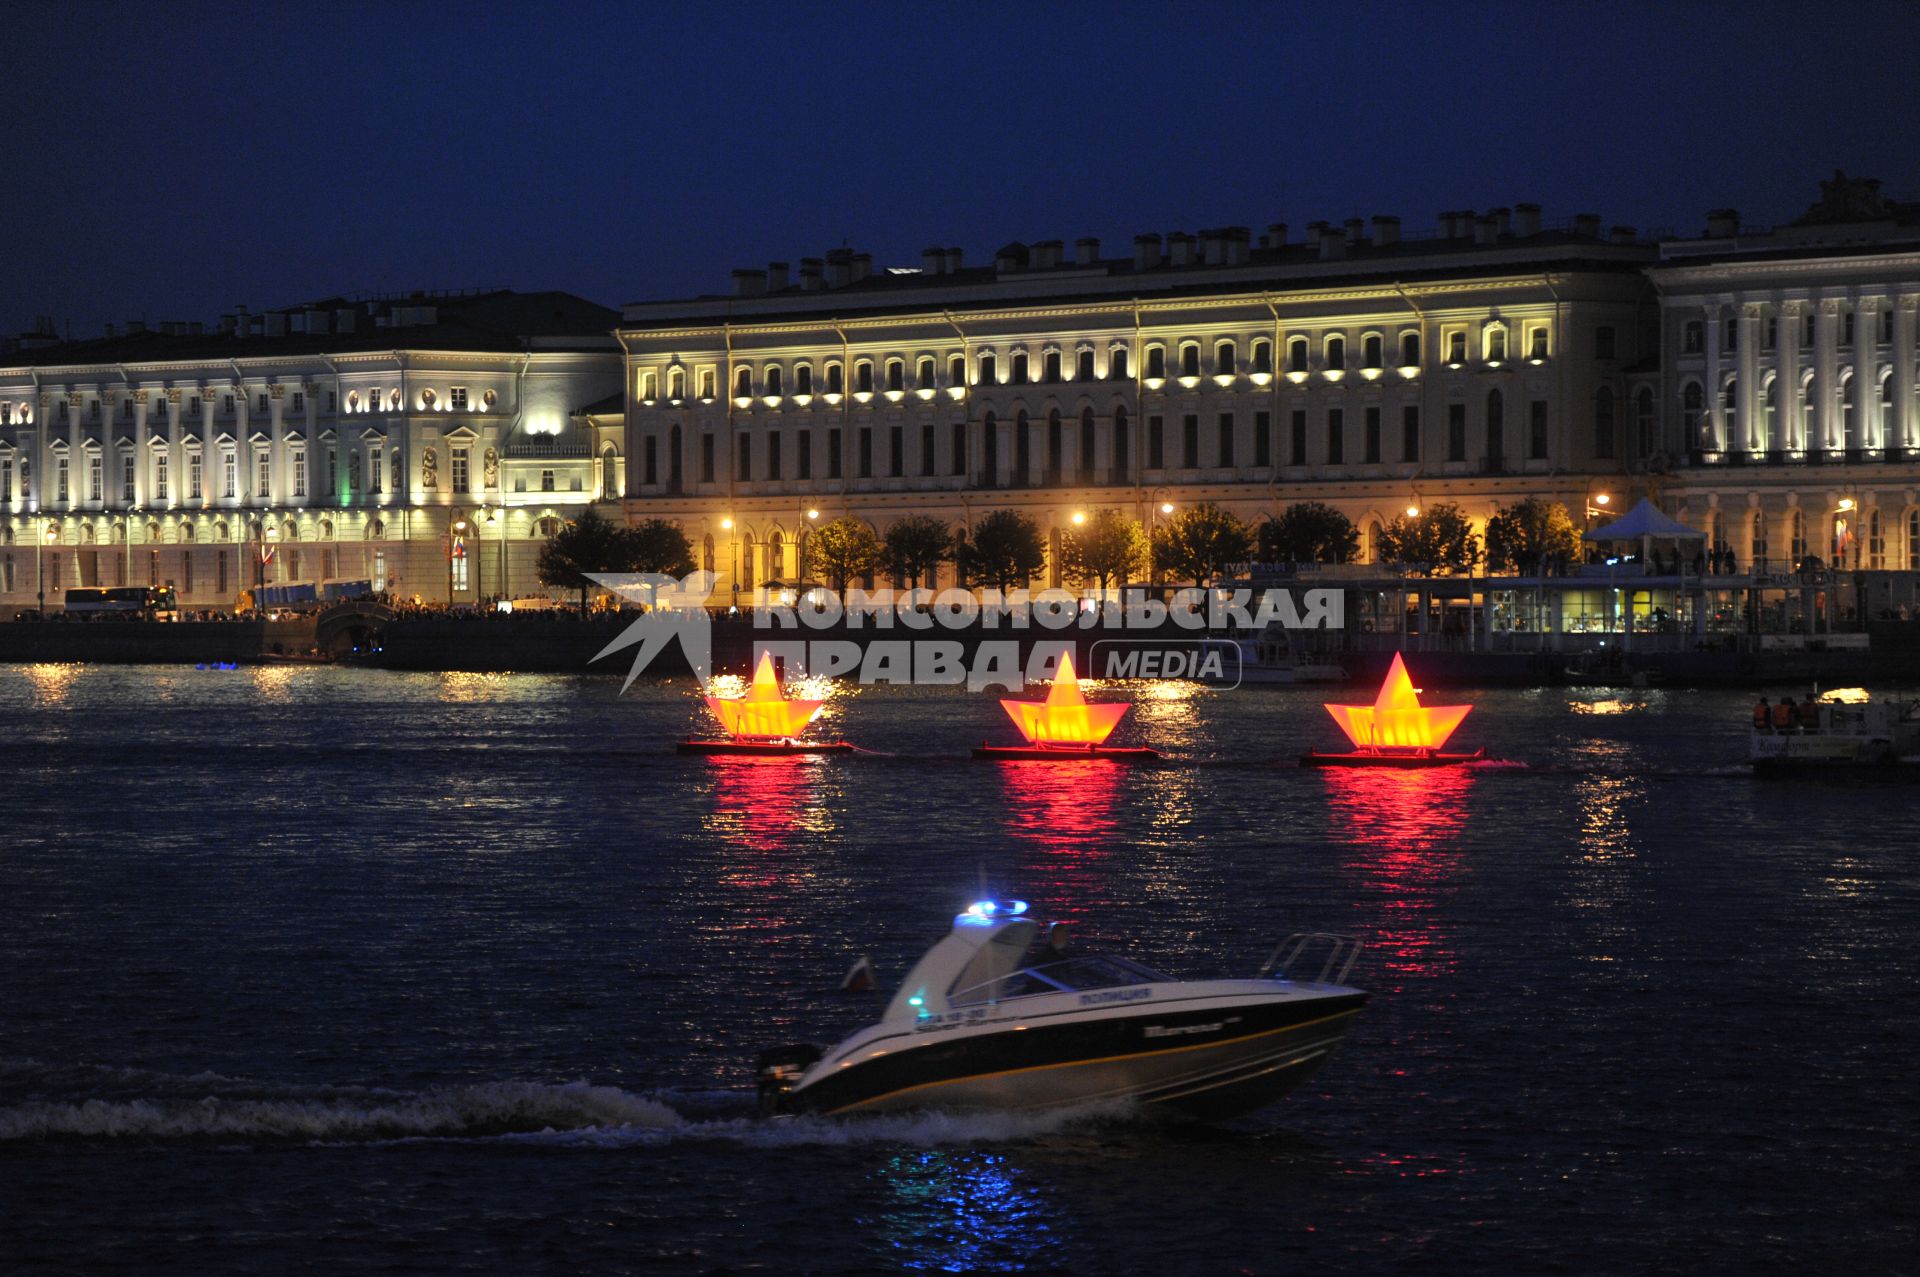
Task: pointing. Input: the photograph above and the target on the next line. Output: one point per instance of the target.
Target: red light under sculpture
(1396, 730)
(1064, 726)
(764, 721)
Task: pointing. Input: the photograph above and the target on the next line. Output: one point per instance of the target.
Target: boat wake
(93, 1104)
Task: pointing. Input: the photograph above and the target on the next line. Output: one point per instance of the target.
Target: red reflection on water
(1405, 823)
(1064, 811)
(762, 803)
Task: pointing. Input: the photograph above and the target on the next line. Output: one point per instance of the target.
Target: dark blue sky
(169, 161)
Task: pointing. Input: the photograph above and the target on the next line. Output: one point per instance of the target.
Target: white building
(425, 443)
(1788, 373)
(1483, 362)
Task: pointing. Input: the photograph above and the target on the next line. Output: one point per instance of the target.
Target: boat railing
(1291, 956)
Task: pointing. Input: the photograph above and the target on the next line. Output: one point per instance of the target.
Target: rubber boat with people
(1841, 732)
(1006, 1013)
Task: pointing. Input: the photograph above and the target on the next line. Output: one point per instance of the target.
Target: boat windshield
(1062, 975)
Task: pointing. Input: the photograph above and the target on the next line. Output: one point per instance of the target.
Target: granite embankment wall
(153, 642)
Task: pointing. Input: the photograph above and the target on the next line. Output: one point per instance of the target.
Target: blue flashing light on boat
(984, 912)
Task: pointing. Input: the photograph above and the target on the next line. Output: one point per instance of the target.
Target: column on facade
(1069, 449)
(1906, 427)
(280, 467)
(1826, 364)
(1037, 450)
(1720, 430)
(1102, 450)
(1786, 378)
(1865, 425)
(1752, 423)
(1004, 452)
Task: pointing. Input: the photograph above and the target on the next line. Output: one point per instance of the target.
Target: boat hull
(1057, 754)
(1362, 758)
(1207, 1061)
(762, 749)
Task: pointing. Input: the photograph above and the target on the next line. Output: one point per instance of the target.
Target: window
(1050, 365)
(230, 475)
(959, 459)
(1643, 420)
(1190, 442)
(1372, 441)
(1603, 441)
(863, 377)
(1156, 363)
(923, 375)
(1846, 329)
(549, 481)
(1537, 430)
(1913, 540)
(926, 449)
(262, 474)
(333, 472)
(1797, 536)
(989, 372)
(773, 456)
(743, 459)
(1886, 327)
(1122, 468)
(1876, 542)
(707, 379)
(1693, 406)
(647, 388)
(990, 450)
(1456, 432)
(835, 380)
(462, 470)
(300, 399)
(1190, 359)
(774, 378)
(60, 485)
(896, 375)
(803, 379)
(1297, 449)
(706, 458)
(743, 383)
(833, 454)
(1083, 370)
(865, 452)
(1156, 443)
(1456, 348)
(1336, 354)
(373, 468)
(896, 452)
(1336, 437)
(1226, 438)
(299, 466)
(263, 401)
(957, 370)
(1117, 364)
(1496, 429)
(1017, 368)
(6, 481)
(1263, 356)
(1223, 359)
(1410, 433)
(1537, 344)
(805, 449)
(1088, 436)
(1729, 334)
(1770, 332)
(1806, 331)
(1409, 350)
(1371, 351)
(1297, 354)
(1263, 439)
(95, 476)
(126, 478)
(1496, 343)
(1022, 449)
(1056, 448)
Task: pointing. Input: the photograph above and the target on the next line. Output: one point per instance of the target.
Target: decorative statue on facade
(353, 472)
(429, 469)
(490, 468)
(1847, 199)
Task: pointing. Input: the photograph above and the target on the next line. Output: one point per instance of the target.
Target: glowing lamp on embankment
(764, 721)
(1396, 730)
(1065, 725)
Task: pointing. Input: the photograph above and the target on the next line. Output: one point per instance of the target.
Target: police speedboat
(1005, 1014)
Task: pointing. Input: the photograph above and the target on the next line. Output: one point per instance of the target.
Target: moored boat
(1826, 735)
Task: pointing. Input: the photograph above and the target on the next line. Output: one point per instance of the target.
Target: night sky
(169, 161)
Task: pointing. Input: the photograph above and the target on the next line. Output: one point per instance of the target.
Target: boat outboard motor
(777, 1070)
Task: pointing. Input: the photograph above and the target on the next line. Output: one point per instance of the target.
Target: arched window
(1770, 414)
(1757, 542)
(376, 530)
(989, 369)
(1808, 419)
(706, 553)
(1190, 359)
(1496, 429)
(1050, 367)
(546, 526)
(1022, 451)
(1156, 362)
(222, 533)
(1372, 354)
(1223, 359)
(1797, 536)
(923, 375)
(1262, 355)
(774, 379)
(1604, 445)
(990, 451)
(1376, 542)
(803, 379)
(1336, 353)
(1643, 419)
(1121, 469)
(863, 377)
(1297, 348)
(673, 459)
(326, 529)
(1118, 369)
(1496, 343)
(1876, 542)
(957, 370)
(1086, 446)
(960, 448)
(676, 383)
(609, 473)
(836, 383)
(1886, 411)
(186, 533)
(1850, 421)
(743, 383)
(1409, 350)
(896, 374)
(1017, 368)
(776, 556)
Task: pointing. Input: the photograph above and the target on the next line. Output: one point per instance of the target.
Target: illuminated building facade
(1487, 361)
(424, 443)
(1789, 382)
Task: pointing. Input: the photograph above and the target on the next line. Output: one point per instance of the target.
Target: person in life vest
(1809, 716)
(1783, 715)
(1762, 716)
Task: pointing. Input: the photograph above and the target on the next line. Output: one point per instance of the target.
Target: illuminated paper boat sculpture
(763, 721)
(1065, 726)
(1396, 730)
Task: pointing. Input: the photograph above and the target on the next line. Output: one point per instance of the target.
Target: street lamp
(1079, 517)
(48, 535)
(733, 557)
(456, 531)
(1165, 507)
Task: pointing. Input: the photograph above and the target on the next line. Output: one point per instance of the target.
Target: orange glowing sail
(764, 713)
(1397, 720)
(1064, 718)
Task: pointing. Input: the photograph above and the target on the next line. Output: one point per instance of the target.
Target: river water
(350, 970)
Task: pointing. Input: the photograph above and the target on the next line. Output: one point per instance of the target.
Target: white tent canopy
(1644, 522)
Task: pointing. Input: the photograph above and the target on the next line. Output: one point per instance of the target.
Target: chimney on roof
(1010, 257)
(1723, 223)
(1086, 251)
(839, 267)
(776, 277)
(1276, 234)
(810, 274)
(345, 319)
(1146, 252)
(955, 259)
(1526, 220)
(110, 331)
(1485, 229)
(862, 266)
(275, 322)
(933, 261)
(1586, 225)
(1502, 222)
(1046, 254)
(195, 327)
(1212, 250)
(1333, 242)
(1386, 230)
(749, 283)
(1180, 248)
(1622, 235)
(136, 326)
(1236, 242)
(1355, 230)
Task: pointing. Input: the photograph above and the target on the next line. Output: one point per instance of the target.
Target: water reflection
(1065, 812)
(272, 682)
(51, 683)
(1604, 874)
(463, 688)
(764, 804)
(964, 1211)
(1405, 823)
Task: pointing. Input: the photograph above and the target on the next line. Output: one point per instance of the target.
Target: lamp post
(456, 545)
(48, 533)
(733, 557)
(1155, 501)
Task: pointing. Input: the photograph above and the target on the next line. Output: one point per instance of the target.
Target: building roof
(498, 320)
